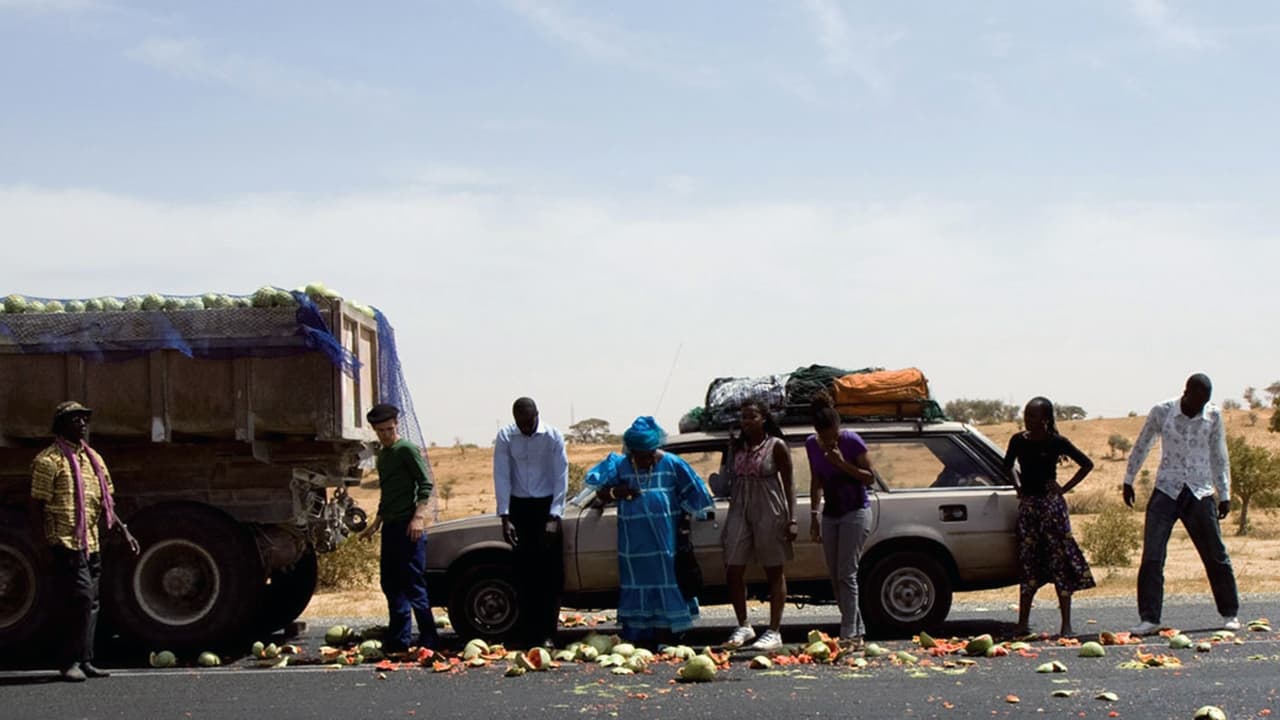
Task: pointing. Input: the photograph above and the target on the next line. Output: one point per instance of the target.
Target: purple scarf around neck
(108, 506)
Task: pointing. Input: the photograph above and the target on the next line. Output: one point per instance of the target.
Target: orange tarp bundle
(885, 392)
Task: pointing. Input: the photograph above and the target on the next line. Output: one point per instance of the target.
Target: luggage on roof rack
(867, 394)
(887, 393)
(726, 395)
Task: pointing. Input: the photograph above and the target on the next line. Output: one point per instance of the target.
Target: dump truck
(232, 428)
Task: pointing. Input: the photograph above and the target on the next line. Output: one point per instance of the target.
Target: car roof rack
(883, 411)
(920, 412)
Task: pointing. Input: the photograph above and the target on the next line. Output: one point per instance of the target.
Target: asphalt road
(1240, 678)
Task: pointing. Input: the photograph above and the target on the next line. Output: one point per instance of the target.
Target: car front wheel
(484, 602)
(906, 592)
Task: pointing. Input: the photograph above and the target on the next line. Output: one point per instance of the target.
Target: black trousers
(1200, 518)
(76, 578)
(539, 559)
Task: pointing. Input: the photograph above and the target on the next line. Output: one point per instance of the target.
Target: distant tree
(1069, 412)
(1133, 413)
(1274, 391)
(1231, 404)
(446, 490)
(589, 431)
(981, 412)
(1275, 416)
(1251, 397)
(960, 410)
(1255, 476)
(1118, 443)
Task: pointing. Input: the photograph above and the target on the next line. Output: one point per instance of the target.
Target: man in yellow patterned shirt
(70, 493)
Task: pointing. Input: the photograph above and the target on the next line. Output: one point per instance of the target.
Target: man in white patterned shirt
(1193, 466)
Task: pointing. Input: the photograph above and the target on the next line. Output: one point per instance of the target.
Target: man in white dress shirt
(530, 480)
(1193, 466)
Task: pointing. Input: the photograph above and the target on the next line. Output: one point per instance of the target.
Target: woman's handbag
(688, 573)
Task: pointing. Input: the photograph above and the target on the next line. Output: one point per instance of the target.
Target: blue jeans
(1200, 518)
(842, 541)
(404, 582)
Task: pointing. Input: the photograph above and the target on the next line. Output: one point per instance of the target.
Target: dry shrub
(577, 473)
(1113, 536)
(1089, 502)
(353, 566)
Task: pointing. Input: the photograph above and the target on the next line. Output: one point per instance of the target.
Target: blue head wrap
(644, 434)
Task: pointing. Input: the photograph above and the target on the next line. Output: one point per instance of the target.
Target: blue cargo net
(392, 388)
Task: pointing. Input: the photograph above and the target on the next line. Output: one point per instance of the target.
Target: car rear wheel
(484, 602)
(906, 592)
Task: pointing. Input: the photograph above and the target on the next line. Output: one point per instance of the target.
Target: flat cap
(381, 413)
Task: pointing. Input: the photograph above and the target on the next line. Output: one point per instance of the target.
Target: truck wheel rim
(17, 586)
(176, 582)
(907, 594)
(493, 606)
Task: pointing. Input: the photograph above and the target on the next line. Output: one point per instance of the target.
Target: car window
(936, 462)
(584, 497)
(800, 469)
(709, 466)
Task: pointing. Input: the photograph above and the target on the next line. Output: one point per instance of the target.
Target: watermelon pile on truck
(232, 427)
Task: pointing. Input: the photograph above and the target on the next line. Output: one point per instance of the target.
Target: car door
(707, 460)
(808, 561)
(937, 487)
(596, 546)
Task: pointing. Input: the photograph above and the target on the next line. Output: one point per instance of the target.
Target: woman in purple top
(838, 465)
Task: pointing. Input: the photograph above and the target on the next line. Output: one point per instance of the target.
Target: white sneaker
(1145, 628)
(740, 637)
(1230, 623)
(770, 640)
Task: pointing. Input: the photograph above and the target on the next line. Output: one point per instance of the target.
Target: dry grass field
(1255, 556)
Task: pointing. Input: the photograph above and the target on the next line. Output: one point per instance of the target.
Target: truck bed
(228, 374)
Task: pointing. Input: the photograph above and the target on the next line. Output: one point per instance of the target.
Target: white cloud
(850, 51)
(609, 44)
(680, 184)
(1159, 18)
(53, 6)
(590, 38)
(501, 293)
(191, 59)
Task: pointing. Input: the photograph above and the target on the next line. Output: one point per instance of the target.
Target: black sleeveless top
(1039, 461)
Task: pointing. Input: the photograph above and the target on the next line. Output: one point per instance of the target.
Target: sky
(605, 205)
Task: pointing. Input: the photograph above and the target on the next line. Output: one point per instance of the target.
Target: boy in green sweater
(405, 483)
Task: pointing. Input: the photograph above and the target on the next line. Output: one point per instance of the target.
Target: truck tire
(197, 584)
(906, 592)
(25, 587)
(289, 592)
(484, 602)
